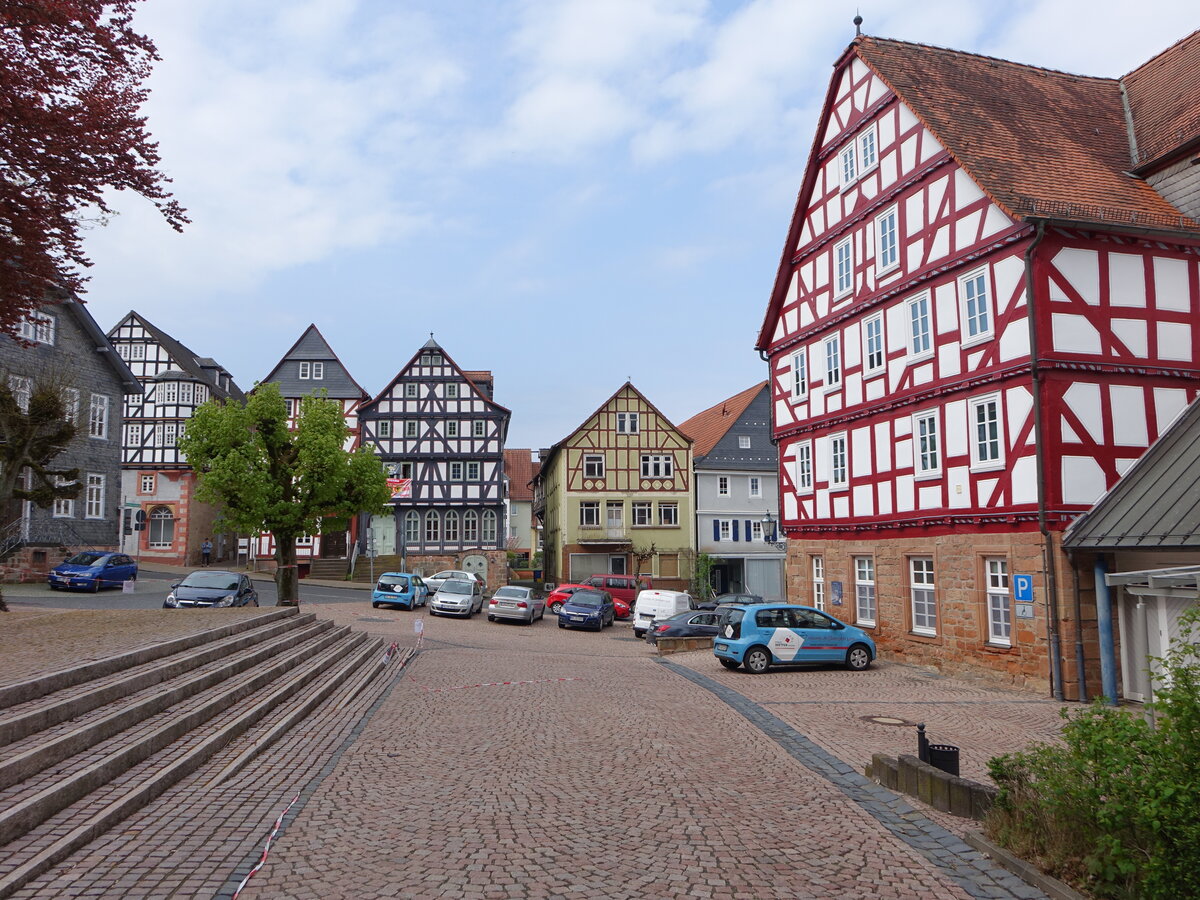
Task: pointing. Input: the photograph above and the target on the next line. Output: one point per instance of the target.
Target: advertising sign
(401, 488)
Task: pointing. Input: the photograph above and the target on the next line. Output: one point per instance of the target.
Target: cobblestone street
(511, 761)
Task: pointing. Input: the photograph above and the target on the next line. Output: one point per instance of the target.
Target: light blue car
(399, 589)
(761, 635)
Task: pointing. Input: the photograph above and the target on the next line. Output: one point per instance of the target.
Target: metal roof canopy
(1182, 582)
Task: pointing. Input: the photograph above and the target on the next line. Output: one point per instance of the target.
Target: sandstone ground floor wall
(935, 599)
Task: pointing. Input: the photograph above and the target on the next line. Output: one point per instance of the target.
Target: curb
(1053, 888)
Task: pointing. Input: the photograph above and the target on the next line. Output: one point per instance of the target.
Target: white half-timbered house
(311, 368)
(979, 322)
(155, 478)
(440, 436)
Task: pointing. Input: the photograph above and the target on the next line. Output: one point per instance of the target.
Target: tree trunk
(287, 576)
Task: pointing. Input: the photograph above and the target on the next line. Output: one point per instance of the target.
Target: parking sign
(1023, 588)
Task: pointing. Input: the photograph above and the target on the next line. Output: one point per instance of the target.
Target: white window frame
(450, 532)
(922, 585)
(589, 514)
(94, 497)
(156, 527)
(490, 528)
(98, 417)
(926, 444)
(470, 527)
(887, 241)
(185, 393)
(169, 433)
(433, 528)
(993, 458)
(668, 515)
(593, 465)
(305, 373)
(843, 268)
(318, 371)
(999, 601)
(743, 442)
(818, 582)
(641, 514)
(628, 423)
(71, 404)
(803, 468)
(64, 507)
(865, 599)
(412, 390)
(383, 428)
(479, 428)
(874, 346)
(722, 485)
(839, 461)
(451, 392)
(411, 428)
(454, 471)
(21, 388)
(978, 315)
(137, 351)
(451, 428)
(868, 137)
(146, 483)
(412, 528)
(756, 531)
(847, 165)
(919, 317)
(658, 465)
(754, 486)
(170, 393)
(38, 328)
(724, 530)
(833, 362)
(474, 471)
(800, 374)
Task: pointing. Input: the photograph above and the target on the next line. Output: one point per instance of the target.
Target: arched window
(489, 528)
(451, 527)
(432, 528)
(161, 533)
(412, 528)
(471, 528)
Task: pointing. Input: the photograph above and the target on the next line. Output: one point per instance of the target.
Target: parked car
(457, 596)
(620, 587)
(587, 608)
(433, 582)
(212, 587)
(90, 570)
(722, 599)
(655, 605)
(559, 596)
(621, 609)
(761, 635)
(693, 623)
(515, 602)
(400, 589)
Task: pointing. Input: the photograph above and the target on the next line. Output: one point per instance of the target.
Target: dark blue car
(587, 609)
(90, 570)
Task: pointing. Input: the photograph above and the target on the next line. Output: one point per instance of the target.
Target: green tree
(264, 477)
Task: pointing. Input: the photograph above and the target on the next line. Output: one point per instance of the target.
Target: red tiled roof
(1164, 99)
(1038, 141)
(521, 468)
(708, 427)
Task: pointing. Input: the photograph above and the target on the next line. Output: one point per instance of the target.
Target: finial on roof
(857, 25)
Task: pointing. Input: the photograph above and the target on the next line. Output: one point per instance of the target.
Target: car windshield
(85, 559)
(456, 587)
(514, 592)
(450, 574)
(587, 598)
(393, 585)
(215, 581)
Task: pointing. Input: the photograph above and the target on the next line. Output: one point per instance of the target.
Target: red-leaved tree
(71, 76)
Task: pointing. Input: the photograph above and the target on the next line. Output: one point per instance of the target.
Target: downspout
(1048, 560)
(1077, 606)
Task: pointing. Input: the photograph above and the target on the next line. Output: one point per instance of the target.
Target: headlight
(171, 601)
(227, 600)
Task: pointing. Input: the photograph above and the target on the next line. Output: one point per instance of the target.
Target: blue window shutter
(716, 529)
(735, 529)
(749, 532)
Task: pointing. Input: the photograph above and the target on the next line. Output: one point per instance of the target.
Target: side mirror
(175, 585)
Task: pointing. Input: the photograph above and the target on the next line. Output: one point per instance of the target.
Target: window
(927, 452)
(743, 442)
(976, 307)
(456, 471)
(479, 428)
(593, 466)
(818, 582)
(71, 402)
(185, 392)
(410, 428)
(21, 388)
(383, 428)
(873, 356)
(312, 371)
(452, 391)
(868, 152)
(471, 527)
(137, 351)
(668, 514)
(843, 268)
(200, 393)
(489, 527)
(722, 485)
(755, 486)
(64, 507)
(160, 530)
(643, 514)
(451, 527)
(833, 362)
(924, 605)
(804, 472)
(724, 530)
(318, 371)
(94, 502)
(864, 589)
(756, 531)
(998, 601)
(431, 359)
(451, 429)
(614, 514)
(133, 434)
(838, 473)
(412, 527)
(98, 417)
(848, 164)
(433, 528)
(473, 471)
(887, 252)
(38, 328)
(589, 514)
(289, 406)
(168, 392)
(658, 465)
(411, 389)
(627, 423)
(920, 337)
(146, 483)
(800, 375)
(985, 432)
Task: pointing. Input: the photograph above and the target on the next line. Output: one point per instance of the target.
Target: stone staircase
(83, 748)
(329, 569)
(362, 568)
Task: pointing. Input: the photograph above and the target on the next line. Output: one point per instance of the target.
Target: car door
(419, 590)
(702, 624)
(824, 639)
(781, 633)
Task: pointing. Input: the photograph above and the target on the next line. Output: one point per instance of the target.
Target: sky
(568, 193)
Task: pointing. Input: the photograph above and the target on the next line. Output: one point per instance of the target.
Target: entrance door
(616, 565)
(383, 535)
(476, 565)
(333, 543)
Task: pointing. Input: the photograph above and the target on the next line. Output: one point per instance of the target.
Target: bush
(1116, 810)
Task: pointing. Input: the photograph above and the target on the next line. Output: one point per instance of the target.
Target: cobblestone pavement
(597, 770)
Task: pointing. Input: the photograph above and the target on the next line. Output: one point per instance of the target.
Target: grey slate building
(68, 348)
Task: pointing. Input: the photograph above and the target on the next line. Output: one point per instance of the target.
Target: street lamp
(770, 533)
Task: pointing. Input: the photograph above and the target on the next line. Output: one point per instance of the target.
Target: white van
(654, 604)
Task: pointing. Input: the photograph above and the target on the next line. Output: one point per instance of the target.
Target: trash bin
(944, 757)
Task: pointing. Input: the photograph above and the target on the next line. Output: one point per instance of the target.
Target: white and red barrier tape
(387, 656)
(266, 849)
(463, 687)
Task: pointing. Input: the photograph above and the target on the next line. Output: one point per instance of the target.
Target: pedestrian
(206, 551)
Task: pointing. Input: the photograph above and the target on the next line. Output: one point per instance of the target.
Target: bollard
(922, 744)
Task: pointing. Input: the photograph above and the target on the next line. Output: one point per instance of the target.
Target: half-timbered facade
(156, 480)
(311, 368)
(615, 496)
(440, 436)
(979, 322)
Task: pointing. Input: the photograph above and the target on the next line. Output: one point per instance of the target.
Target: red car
(559, 595)
(622, 609)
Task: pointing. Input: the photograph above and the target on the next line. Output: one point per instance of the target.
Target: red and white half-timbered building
(980, 320)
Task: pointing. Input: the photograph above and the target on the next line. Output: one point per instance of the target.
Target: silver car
(457, 597)
(518, 603)
(433, 582)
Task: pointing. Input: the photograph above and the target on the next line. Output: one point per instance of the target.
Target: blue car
(90, 570)
(400, 589)
(761, 635)
(587, 608)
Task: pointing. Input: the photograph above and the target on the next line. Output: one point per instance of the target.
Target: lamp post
(770, 533)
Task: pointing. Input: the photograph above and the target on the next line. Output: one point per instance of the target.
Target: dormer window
(312, 371)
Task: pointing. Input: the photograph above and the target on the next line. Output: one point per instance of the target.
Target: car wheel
(729, 663)
(95, 586)
(858, 658)
(374, 605)
(556, 607)
(758, 660)
(561, 624)
(491, 618)
(55, 587)
(256, 599)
